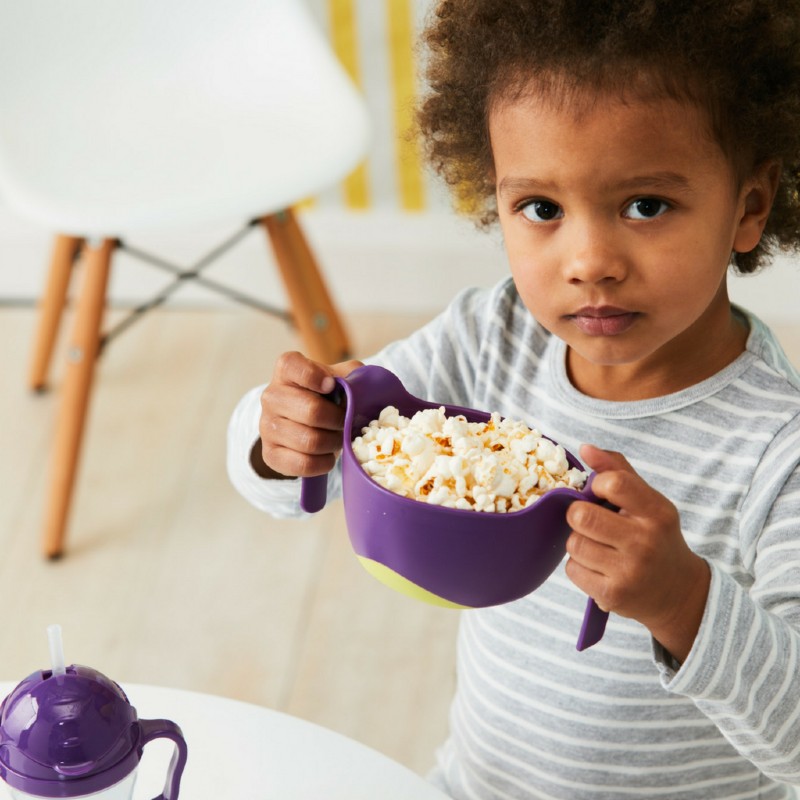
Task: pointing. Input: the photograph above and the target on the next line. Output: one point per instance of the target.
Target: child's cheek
(539, 296)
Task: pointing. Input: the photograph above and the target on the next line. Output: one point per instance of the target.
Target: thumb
(344, 368)
(603, 460)
(340, 370)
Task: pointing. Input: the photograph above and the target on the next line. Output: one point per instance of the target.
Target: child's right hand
(301, 431)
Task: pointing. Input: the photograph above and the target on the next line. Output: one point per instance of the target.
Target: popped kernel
(497, 466)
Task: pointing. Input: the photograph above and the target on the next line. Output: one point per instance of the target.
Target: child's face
(619, 223)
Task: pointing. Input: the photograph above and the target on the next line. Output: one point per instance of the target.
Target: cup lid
(67, 735)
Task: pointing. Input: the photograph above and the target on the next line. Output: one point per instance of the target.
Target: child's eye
(646, 208)
(541, 211)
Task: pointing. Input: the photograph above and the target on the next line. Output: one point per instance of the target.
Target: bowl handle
(313, 493)
(594, 618)
(314, 490)
(593, 627)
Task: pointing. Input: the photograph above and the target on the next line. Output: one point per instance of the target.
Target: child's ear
(758, 194)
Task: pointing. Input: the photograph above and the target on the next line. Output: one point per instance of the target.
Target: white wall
(380, 260)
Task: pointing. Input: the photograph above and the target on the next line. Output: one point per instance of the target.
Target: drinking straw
(56, 649)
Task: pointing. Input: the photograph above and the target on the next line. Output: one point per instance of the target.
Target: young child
(631, 152)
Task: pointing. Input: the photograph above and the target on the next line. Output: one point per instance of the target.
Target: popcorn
(496, 466)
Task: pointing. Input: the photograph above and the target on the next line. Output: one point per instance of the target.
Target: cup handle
(164, 729)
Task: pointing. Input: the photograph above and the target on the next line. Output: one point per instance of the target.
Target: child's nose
(594, 255)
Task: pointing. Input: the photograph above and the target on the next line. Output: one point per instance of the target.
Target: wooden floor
(172, 579)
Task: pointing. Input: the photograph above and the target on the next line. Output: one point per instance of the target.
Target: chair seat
(136, 88)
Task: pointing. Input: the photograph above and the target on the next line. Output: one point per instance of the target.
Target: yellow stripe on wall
(401, 39)
(345, 43)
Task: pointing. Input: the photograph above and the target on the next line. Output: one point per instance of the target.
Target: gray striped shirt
(532, 717)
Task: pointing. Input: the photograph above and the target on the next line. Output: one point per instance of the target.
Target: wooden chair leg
(65, 251)
(317, 320)
(81, 359)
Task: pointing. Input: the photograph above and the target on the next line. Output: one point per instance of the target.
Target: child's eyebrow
(664, 180)
(510, 185)
(658, 180)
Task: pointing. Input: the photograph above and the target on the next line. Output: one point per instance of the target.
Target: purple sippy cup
(71, 732)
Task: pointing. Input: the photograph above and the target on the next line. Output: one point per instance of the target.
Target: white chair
(123, 116)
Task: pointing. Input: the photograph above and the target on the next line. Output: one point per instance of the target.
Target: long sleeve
(744, 669)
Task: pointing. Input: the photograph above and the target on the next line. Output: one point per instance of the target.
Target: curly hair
(738, 59)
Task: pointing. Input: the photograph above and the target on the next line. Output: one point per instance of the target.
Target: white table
(239, 751)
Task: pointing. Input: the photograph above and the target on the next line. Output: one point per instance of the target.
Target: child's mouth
(603, 320)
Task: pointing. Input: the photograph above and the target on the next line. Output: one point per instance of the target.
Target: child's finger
(313, 441)
(588, 580)
(618, 482)
(592, 554)
(296, 369)
(595, 522)
(301, 465)
(309, 408)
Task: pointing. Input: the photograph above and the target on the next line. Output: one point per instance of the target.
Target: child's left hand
(635, 562)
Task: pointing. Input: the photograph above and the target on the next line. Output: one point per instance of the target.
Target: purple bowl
(451, 557)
